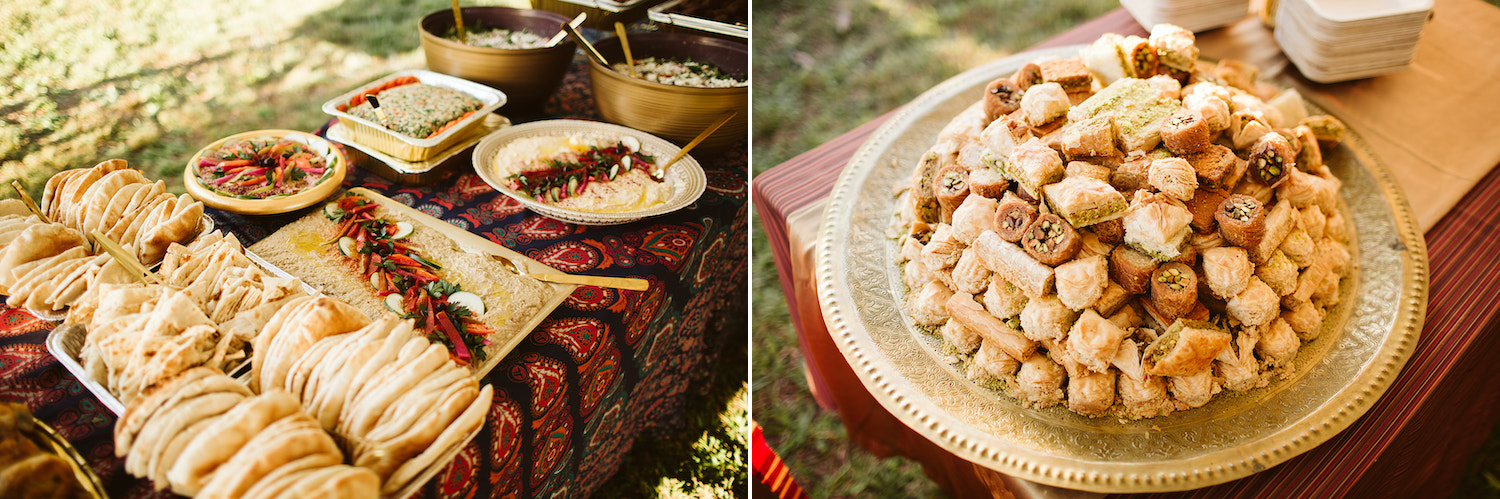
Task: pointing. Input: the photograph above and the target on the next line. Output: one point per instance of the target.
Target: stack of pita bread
(395, 401)
(121, 203)
(46, 266)
(210, 309)
(203, 434)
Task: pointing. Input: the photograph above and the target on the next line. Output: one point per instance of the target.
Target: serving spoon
(519, 267)
(661, 170)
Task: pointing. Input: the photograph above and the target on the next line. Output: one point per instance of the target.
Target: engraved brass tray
(1366, 339)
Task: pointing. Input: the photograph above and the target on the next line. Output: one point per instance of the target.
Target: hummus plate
(684, 182)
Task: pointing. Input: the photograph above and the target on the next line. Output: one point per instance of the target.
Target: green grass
(161, 79)
(821, 69)
(152, 81)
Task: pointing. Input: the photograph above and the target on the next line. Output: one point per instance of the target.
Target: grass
(821, 69)
(152, 81)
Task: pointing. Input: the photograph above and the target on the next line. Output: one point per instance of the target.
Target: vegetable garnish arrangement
(261, 168)
(408, 281)
(567, 174)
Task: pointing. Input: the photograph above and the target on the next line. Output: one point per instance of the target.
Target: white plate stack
(1340, 40)
(1193, 15)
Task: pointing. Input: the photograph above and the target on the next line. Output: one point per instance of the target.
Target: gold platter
(1365, 343)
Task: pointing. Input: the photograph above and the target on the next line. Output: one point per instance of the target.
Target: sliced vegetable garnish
(568, 174)
(407, 280)
(261, 167)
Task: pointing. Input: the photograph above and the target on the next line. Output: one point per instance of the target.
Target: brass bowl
(675, 113)
(527, 76)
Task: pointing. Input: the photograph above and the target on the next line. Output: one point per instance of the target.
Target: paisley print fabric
(605, 367)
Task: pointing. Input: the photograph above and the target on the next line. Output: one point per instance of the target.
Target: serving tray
(1338, 376)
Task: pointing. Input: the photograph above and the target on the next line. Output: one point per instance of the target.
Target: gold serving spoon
(625, 44)
(519, 267)
(661, 169)
(458, 22)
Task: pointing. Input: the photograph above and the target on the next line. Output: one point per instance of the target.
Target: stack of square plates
(1339, 40)
(1193, 15)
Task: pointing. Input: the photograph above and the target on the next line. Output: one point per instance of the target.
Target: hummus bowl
(627, 196)
(333, 160)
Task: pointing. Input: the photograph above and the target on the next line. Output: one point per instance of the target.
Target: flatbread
(97, 199)
(345, 481)
(37, 242)
(279, 479)
(162, 461)
(72, 194)
(290, 438)
(170, 421)
(452, 436)
(262, 345)
(386, 454)
(376, 400)
(225, 436)
(322, 317)
(213, 382)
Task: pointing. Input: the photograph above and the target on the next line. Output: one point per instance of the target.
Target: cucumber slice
(631, 144)
(403, 230)
(332, 211)
(467, 300)
(375, 280)
(393, 303)
(346, 246)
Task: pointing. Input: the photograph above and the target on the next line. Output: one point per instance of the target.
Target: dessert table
(605, 368)
(1426, 124)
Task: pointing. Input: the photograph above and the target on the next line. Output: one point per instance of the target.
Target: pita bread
(142, 409)
(327, 388)
(388, 354)
(134, 209)
(198, 381)
(169, 421)
(34, 243)
(45, 270)
(150, 209)
(300, 370)
(410, 406)
(180, 226)
(110, 165)
(96, 199)
(344, 481)
(13, 207)
(42, 291)
(225, 436)
(385, 454)
(453, 436)
(162, 461)
(272, 484)
(376, 400)
(322, 317)
(72, 194)
(288, 439)
(193, 347)
(49, 192)
(72, 285)
(262, 345)
(115, 207)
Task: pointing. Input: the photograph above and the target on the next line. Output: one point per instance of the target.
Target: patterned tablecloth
(605, 368)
